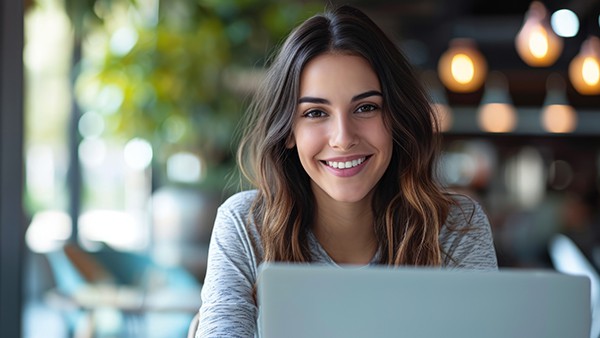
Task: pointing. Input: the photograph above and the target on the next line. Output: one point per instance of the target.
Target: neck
(345, 231)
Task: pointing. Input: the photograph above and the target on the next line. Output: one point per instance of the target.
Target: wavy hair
(409, 206)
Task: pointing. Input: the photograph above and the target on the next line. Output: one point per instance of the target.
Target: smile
(346, 164)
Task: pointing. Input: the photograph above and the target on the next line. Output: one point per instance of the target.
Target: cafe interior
(130, 109)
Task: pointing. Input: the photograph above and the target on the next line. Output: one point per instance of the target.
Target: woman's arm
(228, 308)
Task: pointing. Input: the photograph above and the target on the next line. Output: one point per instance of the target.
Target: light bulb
(497, 113)
(462, 68)
(590, 71)
(497, 118)
(557, 115)
(536, 42)
(584, 70)
(559, 118)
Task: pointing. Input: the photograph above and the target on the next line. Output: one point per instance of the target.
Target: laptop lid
(327, 301)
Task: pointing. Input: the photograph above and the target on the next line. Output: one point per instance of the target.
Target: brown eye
(314, 113)
(365, 108)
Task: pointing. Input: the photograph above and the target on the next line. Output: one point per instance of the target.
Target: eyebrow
(310, 99)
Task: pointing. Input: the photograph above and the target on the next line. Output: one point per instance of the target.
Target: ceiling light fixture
(584, 69)
(462, 68)
(557, 115)
(536, 42)
(497, 113)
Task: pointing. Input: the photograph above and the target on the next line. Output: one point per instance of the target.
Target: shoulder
(233, 216)
(464, 210)
(239, 203)
(235, 229)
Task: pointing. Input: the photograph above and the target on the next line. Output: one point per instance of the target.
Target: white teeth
(347, 164)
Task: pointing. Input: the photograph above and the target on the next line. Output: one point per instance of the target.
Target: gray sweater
(235, 252)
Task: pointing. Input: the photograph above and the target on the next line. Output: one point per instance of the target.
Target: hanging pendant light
(497, 113)
(557, 115)
(584, 70)
(536, 42)
(462, 68)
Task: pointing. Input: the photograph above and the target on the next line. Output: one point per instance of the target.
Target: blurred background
(130, 110)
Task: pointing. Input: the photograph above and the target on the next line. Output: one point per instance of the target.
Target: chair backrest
(73, 268)
(193, 326)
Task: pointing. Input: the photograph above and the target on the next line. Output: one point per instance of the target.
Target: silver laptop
(326, 301)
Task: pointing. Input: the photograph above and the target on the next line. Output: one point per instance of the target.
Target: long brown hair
(409, 207)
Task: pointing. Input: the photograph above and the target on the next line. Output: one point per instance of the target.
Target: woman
(341, 147)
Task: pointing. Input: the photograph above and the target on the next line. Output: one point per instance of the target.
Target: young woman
(341, 146)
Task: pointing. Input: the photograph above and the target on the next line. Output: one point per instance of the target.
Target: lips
(346, 167)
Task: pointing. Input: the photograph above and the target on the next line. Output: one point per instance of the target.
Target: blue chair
(74, 268)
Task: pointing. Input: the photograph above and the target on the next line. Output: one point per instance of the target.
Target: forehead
(331, 72)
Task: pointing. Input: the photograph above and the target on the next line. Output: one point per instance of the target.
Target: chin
(345, 197)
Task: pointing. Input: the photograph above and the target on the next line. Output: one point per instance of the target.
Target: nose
(344, 133)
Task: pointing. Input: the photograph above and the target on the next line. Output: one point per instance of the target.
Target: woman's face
(338, 130)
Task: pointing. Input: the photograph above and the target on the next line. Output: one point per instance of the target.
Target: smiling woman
(342, 142)
(341, 146)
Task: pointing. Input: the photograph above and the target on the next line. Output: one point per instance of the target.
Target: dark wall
(11, 166)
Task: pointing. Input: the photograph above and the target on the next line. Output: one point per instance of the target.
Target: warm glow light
(557, 115)
(584, 69)
(462, 68)
(497, 118)
(590, 71)
(536, 42)
(558, 118)
(497, 113)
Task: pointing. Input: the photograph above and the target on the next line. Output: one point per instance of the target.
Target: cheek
(386, 146)
(303, 135)
(381, 135)
(307, 141)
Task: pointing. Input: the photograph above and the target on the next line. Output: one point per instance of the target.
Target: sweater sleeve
(228, 308)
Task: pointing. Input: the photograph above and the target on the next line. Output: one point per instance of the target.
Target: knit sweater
(235, 252)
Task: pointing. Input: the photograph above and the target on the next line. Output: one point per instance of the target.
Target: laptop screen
(328, 301)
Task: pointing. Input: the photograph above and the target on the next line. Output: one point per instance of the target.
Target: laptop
(301, 300)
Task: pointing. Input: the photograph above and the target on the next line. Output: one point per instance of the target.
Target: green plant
(164, 78)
